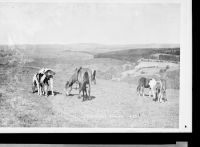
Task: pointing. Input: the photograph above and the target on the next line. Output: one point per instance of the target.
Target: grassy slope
(133, 55)
(19, 107)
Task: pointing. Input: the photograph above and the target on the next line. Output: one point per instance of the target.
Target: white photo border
(185, 97)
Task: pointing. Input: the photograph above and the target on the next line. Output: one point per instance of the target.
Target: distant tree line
(133, 55)
(172, 51)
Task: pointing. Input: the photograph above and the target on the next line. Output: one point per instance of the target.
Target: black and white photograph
(95, 65)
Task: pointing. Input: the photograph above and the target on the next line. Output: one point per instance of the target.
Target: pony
(83, 77)
(161, 90)
(157, 88)
(45, 81)
(42, 80)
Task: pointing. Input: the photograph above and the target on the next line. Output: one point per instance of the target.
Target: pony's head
(50, 73)
(68, 87)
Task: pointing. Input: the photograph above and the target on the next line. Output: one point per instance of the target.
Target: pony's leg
(83, 93)
(158, 97)
(40, 90)
(89, 90)
(80, 88)
(138, 92)
(33, 87)
(154, 94)
(95, 82)
(86, 94)
(164, 97)
(150, 92)
(68, 93)
(51, 85)
(142, 91)
(161, 97)
(46, 90)
(42, 85)
(38, 87)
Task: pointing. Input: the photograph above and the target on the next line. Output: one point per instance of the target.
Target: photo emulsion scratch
(89, 65)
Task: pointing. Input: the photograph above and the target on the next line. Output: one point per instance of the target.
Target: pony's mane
(49, 70)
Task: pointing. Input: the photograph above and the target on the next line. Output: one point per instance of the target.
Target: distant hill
(100, 48)
(129, 52)
(89, 47)
(135, 54)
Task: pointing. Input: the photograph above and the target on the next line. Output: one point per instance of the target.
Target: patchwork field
(114, 102)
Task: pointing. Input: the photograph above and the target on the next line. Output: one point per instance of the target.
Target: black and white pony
(42, 80)
(157, 88)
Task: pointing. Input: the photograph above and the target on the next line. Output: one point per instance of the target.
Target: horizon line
(90, 43)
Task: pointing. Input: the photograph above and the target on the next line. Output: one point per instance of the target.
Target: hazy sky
(89, 23)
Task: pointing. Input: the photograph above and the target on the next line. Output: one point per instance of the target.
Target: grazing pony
(157, 88)
(146, 83)
(161, 90)
(84, 80)
(73, 79)
(83, 76)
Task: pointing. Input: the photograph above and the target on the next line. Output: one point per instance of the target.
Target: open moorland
(114, 101)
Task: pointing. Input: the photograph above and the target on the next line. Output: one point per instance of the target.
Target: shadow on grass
(87, 98)
(49, 92)
(55, 93)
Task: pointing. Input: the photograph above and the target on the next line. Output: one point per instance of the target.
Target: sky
(104, 23)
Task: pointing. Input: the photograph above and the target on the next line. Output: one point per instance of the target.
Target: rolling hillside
(134, 54)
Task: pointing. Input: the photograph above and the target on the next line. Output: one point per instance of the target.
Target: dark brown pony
(142, 83)
(83, 76)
